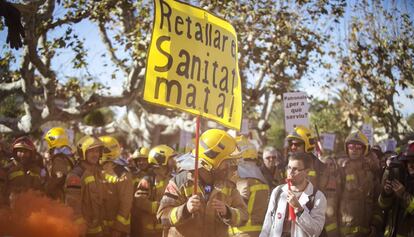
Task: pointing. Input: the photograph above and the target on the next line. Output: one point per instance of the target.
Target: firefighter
(253, 188)
(397, 196)
(23, 172)
(217, 204)
(62, 162)
(331, 186)
(73, 183)
(91, 188)
(358, 213)
(118, 190)
(139, 169)
(151, 189)
(303, 140)
(4, 163)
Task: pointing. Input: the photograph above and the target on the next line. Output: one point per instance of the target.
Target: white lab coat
(309, 224)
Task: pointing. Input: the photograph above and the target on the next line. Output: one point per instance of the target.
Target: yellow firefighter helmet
(56, 137)
(215, 146)
(246, 149)
(86, 143)
(112, 149)
(141, 153)
(160, 155)
(305, 135)
(357, 137)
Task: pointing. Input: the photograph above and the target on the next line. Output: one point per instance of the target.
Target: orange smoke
(34, 215)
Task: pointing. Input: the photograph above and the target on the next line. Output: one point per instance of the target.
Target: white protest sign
(296, 109)
(185, 139)
(328, 141)
(390, 145)
(244, 127)
(368, 131)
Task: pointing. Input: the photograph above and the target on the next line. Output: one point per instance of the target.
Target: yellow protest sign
(192, 63)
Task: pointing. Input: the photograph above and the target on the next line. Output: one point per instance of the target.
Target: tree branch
(110, 47)
(11, 87)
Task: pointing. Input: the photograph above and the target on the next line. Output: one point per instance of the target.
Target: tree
(275, 56)
(377, 61)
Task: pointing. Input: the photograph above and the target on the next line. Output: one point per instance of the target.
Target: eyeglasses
(353, 146)
(295, 170)
(270, 157)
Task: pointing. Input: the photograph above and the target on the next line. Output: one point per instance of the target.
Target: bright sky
(85, 29)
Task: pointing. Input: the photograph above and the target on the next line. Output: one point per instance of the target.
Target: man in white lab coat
(308, 204)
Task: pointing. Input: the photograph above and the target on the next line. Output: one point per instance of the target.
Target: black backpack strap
(311, 201)
(277, 196)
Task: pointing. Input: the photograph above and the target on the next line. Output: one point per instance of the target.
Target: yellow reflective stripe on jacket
(34, 174)
(111, 178)
(94, 230)
(237, 216)
(331, 227)
(350, 177)
(354, 230)
(384, 203)
(154, 207)
(173, 215)
(153, 227)
(15, 174)
(312, 173)
(226, 191)
(248, 227)
(80, 221)
(188, 191)
(410, 207)
(108, 223)
(244, 229)
(89, 179)
(123, 220)
(160, 184)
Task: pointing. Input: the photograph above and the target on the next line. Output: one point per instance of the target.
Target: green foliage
(328, 118)
(410, 121)
(276, 134)
(378, 61)
(99, 117)
(10, 107)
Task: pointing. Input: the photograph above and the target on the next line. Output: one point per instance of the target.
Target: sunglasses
(353, 146)
(296, 144)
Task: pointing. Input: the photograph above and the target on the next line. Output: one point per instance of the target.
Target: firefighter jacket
(331, 185)
(3, 181)
(174, 215)
(61, 166)
(147, 200)
(273, 177)
(137, 176)
(20, 179)
(359, 214)
(315, 172)
(400, 211)
(92, 200)
(255, 193)
(117, 198)
(73, 192)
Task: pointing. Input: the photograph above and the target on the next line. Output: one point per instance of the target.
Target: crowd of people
(238, 190)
